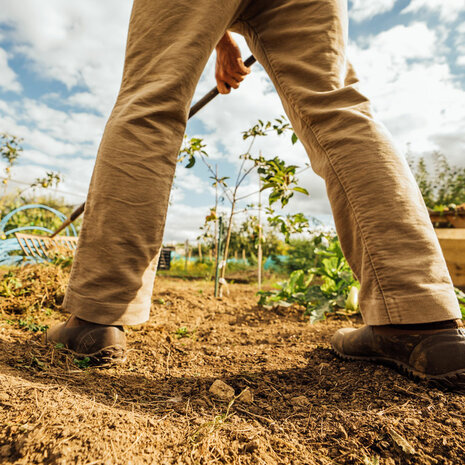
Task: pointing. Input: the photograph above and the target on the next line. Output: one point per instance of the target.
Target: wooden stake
(259, 258)
(218, 256)
(186, 254)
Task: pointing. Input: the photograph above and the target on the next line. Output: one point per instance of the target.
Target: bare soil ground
(306, 406)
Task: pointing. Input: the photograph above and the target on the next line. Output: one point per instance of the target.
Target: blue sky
(61, 64)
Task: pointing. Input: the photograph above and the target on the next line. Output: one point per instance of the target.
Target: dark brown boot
(104, 345)
(437, 355)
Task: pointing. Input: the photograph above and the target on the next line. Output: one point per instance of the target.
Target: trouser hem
(105, 313)
(430, 308)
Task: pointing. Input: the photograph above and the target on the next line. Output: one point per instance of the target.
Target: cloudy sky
(60, 70)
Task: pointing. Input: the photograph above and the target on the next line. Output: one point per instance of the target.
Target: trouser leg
(114, 267)
(380, 216)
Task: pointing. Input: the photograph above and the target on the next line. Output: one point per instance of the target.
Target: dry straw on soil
(306, 406)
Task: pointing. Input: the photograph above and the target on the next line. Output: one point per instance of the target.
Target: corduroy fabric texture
(380, 216)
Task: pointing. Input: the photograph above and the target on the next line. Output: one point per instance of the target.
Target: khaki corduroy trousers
(380, 217)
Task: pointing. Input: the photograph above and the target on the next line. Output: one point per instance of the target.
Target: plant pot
(452, 242)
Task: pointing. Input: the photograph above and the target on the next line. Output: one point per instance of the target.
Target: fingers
(232, 82)
(226, 82)
(237, 77)
(222, 87)
(230, 74)
(242, 69)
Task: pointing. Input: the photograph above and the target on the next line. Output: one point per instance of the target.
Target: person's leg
(114, 268)
(380, 216)
(406, 296)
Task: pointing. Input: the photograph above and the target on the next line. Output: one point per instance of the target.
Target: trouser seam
(317, 137)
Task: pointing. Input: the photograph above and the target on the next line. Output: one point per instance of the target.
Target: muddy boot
(104, 345)
(431, 354)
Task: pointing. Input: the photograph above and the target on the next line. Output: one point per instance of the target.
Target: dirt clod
(246, 396)
(222, 391)
(300, 401)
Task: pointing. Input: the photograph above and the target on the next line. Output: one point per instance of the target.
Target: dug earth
(210, 381)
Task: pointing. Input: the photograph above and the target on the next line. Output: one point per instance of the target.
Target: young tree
(277, 178)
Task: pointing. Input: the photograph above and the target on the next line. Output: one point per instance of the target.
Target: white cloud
(413, 91)
(51, 131)
(77, 43)
(187, 180)
(448, 10)
(8, 78)
(361, 10)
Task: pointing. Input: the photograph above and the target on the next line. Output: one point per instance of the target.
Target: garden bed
(452, 242)
(307, 406)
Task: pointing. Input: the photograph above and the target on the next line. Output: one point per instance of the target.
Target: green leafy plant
(289, 224)
(50, 179)
(301, 253)
(322, 289)
(10, 150)
(190, 150)
(279, 178)
(442, 185)
(182, 332)
(461, 298)
(82, 363)
(61, 260)
(10, 285)
(30, 325)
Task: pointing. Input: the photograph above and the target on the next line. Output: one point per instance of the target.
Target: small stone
(5, 451)
(222, 390)
(251, 446)
(246, 396)
(299, 401)
(454, 422)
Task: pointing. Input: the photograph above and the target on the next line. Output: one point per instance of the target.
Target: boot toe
(440, 355)
(337, 341)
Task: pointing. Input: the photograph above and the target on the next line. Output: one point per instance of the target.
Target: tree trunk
(226, 245)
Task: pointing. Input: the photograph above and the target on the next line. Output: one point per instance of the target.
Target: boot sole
(451, 380)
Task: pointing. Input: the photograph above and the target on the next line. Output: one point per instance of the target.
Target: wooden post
(200, 251)
(259, 257)
(186, 254)
(218, 255)
(243, 255)
(216, 211)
